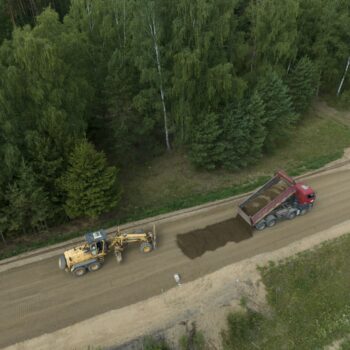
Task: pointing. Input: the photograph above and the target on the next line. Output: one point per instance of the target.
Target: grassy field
(170, 182)
(309, 301)
(345, 345)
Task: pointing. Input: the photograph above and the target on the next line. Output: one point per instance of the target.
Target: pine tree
(5, 23)
(90, 185)
(280, 116)
(28, 206)
(302, 83)
(244, 133)
(207, 147)
(236, 131)
(255, 113)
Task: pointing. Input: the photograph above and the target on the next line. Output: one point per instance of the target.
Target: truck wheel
(80, 271)
(94, 266)
(146, 247)
(271, 223)
(260, 226)
(62, 263)
(303, 211)
(291, 215)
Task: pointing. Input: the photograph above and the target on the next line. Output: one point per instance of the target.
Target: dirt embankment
(195, 243)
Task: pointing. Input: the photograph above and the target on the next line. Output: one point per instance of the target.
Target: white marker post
(177, 279)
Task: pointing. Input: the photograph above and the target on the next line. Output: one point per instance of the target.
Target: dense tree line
(227, 80)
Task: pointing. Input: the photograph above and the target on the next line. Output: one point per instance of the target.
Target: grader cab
(90, 255)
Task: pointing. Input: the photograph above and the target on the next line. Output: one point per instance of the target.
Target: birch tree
(274, 32)
(148, 45)
(204, 77)
(344, 76)
(324, 34)
(153, 32)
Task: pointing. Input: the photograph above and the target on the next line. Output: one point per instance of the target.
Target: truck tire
(291, 215)
(80, 271)
(146, 247)
(271, 223)
(94, 266)
(260, 225)
(303, 211)
(62, 263)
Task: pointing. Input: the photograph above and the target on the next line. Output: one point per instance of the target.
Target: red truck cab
(304, 194)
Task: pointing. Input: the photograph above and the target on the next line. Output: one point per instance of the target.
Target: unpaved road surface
(38, 298)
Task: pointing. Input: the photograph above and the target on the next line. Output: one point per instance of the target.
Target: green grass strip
(309, 300)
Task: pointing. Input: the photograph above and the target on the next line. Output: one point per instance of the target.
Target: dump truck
(280, 198)
(90, 255)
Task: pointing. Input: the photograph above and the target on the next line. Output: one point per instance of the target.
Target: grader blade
(154, 241)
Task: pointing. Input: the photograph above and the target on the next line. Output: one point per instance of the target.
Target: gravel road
(38, 298)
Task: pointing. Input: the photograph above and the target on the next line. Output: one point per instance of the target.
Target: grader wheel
(94, 266)
(80, 271)
(146, 247)
(62, 263)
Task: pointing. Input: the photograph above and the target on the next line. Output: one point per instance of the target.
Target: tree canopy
(224, 80)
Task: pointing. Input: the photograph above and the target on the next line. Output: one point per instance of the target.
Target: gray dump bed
(267, 198)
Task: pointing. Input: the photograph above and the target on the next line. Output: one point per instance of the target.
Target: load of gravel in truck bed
(253, 206)
(195, 243)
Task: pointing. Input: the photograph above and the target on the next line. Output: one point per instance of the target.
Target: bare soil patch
(195, 243)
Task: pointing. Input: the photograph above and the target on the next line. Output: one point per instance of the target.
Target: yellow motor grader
(90, 255)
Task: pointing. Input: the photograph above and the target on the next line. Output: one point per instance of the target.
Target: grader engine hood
(77, 255)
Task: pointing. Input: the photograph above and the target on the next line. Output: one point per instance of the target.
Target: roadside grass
(172, 179)
(171, 183)
(340, 103)
(150, 343)
(345, 345)
(193, 341)
(309, 303)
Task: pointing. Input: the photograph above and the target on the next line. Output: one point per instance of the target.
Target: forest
(88, 87)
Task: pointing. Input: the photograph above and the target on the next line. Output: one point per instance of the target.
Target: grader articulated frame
(90, 255)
